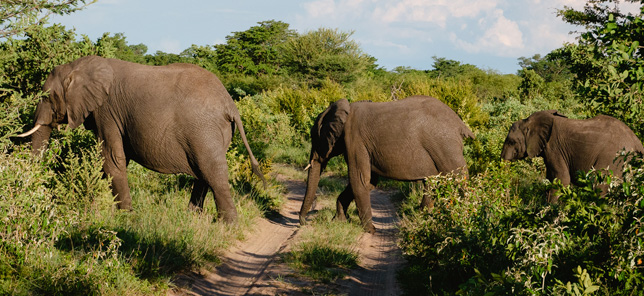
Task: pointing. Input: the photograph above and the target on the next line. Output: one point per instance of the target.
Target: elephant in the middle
(407, 140)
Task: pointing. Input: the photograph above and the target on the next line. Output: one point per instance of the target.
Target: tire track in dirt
(243, 264)
(380, 258)
(253, 267)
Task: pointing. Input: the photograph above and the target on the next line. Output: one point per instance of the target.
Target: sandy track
(380, 258)
(253, 267)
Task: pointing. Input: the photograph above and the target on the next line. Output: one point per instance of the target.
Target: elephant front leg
(361, 195)
(556, 169)
(115, 166)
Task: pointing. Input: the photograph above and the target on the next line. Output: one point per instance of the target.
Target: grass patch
(321, 261)
(327, 249)
(61, 233)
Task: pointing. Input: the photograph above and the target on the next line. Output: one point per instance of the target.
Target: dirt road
(253, 267)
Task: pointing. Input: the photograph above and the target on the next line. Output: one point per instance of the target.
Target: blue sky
(490, 34)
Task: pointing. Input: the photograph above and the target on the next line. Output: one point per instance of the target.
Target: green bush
(271, 134)
(484, 236)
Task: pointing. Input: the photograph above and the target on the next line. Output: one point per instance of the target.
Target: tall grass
(61, 233)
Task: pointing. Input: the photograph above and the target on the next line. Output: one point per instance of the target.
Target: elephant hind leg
(214, 173)
(342, 204)
(346, 197)
(427, 201)
(199, 191)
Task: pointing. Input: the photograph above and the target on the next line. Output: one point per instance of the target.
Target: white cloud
(388, 44)
(435, 12)
(320, 8)
(458, 29)
(501, 37)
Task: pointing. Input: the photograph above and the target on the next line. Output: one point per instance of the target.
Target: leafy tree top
(253, 51)
(16, 16)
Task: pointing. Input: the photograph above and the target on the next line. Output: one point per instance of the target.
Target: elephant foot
(125, 206)
(369, 228)
(302, 220)
(552, 196)
(340, 217)
(427, 203)
(195, 208)
(230, 220)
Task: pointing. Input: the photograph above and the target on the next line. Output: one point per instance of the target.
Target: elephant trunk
(40, 138)
(311, 187)
(506, 153)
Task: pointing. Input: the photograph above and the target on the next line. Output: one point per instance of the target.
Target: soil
(255, 266)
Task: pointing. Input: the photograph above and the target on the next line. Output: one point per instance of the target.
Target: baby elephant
(405, 140)
(570, 145)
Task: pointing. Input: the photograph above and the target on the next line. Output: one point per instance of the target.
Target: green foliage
(488, 235)
(324, 54)
(26, 63)
(607, 62)
(254, 51)
(24, 67)
(457, 94)
(488, 85)
(270, 132)
(322, 261)
(303, 104)
(119, 48)
(41, 212)
(583, 286)
(327, 249)
(16, 17)
(532, 83)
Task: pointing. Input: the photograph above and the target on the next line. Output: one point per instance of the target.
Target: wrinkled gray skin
(570, 145)
(407, 140)
(170, 119)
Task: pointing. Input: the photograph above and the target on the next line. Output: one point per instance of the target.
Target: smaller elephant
(407, 140)
(570, 145)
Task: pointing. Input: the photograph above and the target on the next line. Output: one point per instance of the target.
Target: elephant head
(327, 141)
(528, 137)
(74, 91)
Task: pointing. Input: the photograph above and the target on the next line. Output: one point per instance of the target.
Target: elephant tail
(254, 163)
(467, 133)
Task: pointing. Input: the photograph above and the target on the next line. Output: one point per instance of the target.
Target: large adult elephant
(407, 140)
(570, 145)
(171, 119)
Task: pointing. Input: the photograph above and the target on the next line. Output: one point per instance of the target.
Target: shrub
(483, 237)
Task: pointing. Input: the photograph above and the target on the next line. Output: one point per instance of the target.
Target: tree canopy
(16, 16)
(607, 62)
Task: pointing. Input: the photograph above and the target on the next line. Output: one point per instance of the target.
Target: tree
(451, 68)
(121, 50)
(608, 61)
(16, 16)
(551, 67)
(325, 54)
(254, 51)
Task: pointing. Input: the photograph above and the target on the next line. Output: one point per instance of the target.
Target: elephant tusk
(307, 167)
(31, 131)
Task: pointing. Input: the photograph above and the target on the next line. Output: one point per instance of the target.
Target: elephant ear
(329, 127)
(537, 130)
(86, 88)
